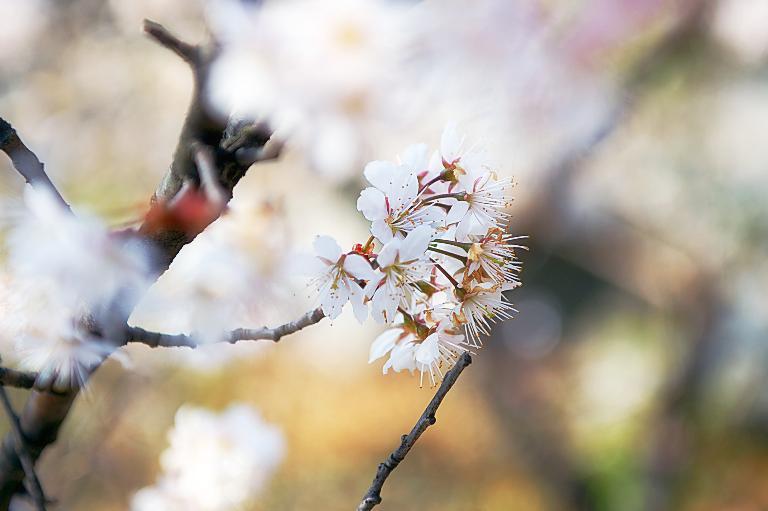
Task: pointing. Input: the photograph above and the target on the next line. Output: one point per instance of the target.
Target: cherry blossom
(336, 276)
(439, 259)
(402, 263)
(391, 203)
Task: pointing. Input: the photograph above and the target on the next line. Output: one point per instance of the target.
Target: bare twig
(13, 378)
(157, 340)
(373, 495)
(25, 161)
(209, 180)
(27, 462)
(188, 52)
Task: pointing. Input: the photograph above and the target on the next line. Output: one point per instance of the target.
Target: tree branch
(157, 340)
(27, 462)
(190, 53)
(373, 495)
(13, 378)
(25, 161)
(44, 411)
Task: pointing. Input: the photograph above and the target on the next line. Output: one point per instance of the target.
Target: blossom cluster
(438, 260)
(214, 461)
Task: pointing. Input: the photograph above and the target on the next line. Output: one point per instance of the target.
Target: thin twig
(156, 339)
(20, 379)
(25, 161)
(373, 495)
(27, 463)
(190, 53)
(206, 168)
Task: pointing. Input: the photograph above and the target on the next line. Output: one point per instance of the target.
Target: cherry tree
(434, 270)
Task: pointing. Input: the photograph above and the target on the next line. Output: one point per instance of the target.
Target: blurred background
(634, 375)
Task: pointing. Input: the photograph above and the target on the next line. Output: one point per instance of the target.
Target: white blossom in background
(344, 77)
(318, 69)
(438, 279)
(61, 266)
(218, 285)
(233, 275)
(18, 32)
(740, 25)
(215, 462)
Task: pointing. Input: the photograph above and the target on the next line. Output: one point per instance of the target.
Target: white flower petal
(327, 248)
(389, 253)
(381, 230)
(333, 300)
(384, 343)
(450, 143)
(357, 297)
(416, 158)
(359, 267)
(372, 204)
(457, 212)
(379, 174)
(415, 244)
(402, 357)
(428, 351)
(403, 189)
(385, 302)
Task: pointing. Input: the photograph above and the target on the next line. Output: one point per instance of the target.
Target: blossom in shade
(320, 70)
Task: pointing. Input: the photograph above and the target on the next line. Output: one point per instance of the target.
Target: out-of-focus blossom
(312, 66)
(62, 267)
(215, 462)
(740, 25)
(18, 31)
(210, 289)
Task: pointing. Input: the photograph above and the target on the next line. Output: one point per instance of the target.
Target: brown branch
(190, 53)
(373, 495)
(27, 462)
(25, 161)
(160, 340)
(13, 378)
